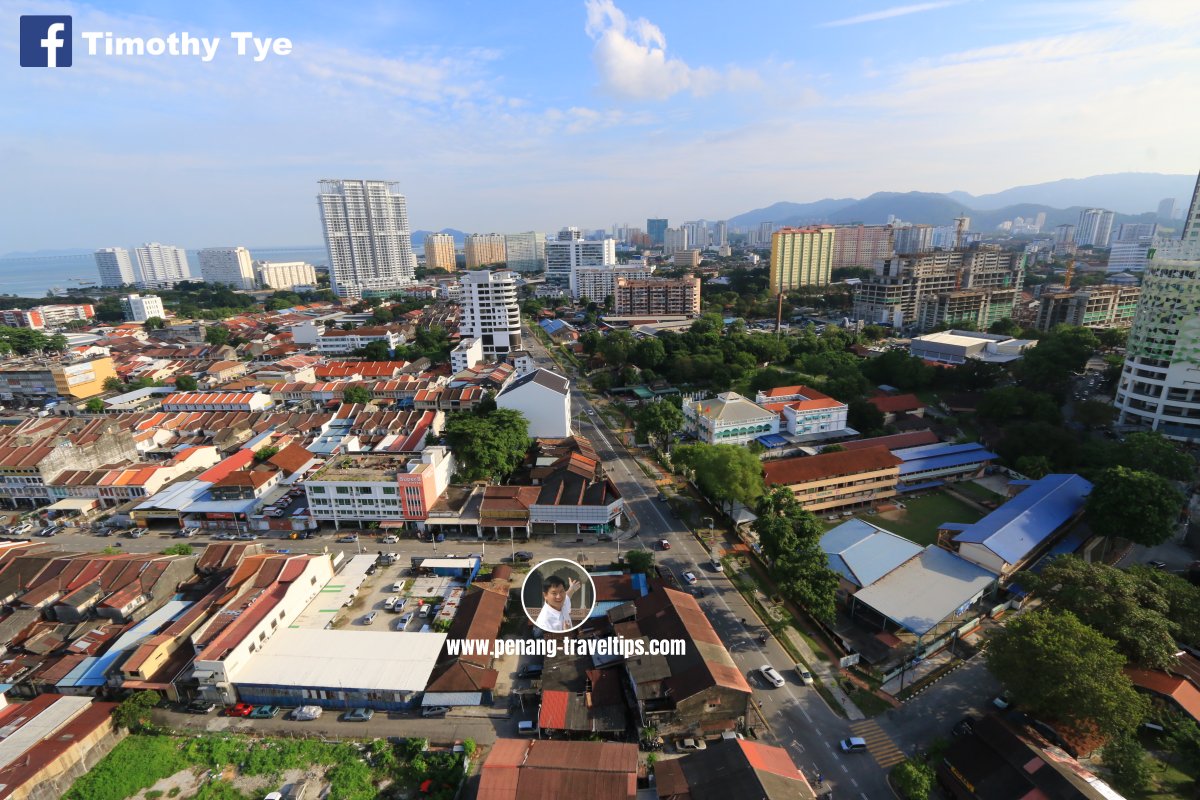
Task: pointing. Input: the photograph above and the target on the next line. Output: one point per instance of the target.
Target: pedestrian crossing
(879, 745)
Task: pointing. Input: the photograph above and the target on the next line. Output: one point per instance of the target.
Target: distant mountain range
(1133, 195)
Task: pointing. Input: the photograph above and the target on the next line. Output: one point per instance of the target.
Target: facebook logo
(45, 41)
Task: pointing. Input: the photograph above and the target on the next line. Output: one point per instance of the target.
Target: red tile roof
(1180, 690)
(792, 471)
(554, 710)
(896, 441)
(896, 404)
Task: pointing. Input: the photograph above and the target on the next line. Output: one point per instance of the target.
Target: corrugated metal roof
(863, 553)
(926, 590)
(1024, 522)
(554, 710)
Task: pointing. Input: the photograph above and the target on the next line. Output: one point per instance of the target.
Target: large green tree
(1182, 597)
(185, 383)
(657, 422)
(217, 335)
(1000, 406)
(488, 447)
(791, 540)
(356, 394)
(1131, 611)
(1048, 366)
(1063, 670)
(1150, 451)
(724, 473)
(1139, 506)
(134, 711)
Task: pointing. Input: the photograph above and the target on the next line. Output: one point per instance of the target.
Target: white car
(390, 603)
(804, 675)
(389, 539)
(304, 713)
(771, 676)
(689, 578)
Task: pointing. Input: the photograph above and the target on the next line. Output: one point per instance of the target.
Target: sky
(534, 115)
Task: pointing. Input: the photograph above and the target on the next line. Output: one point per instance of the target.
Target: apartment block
(525, 252)
(356, 489)
(801, 257)
(367, 236)
(657, 296)
(230, 266)
(284, 275)
(43, 317)
(115, 267)
(597, 284)
(1106, 306)
(861, 245)
(484, 249)
(162, 265)
(439, 252)
(139, 308)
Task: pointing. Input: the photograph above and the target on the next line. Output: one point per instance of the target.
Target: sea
(34, 276)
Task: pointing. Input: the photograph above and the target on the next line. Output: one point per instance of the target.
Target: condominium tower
(565, 256)
(162, 265)
(490, 312)
(1095, 227)
(114, 267)
(227, 265)
(439, 252)
(482, 249)
(284, 274)
(525, 252)
(656, 229)
(800, 257)
(367, 236)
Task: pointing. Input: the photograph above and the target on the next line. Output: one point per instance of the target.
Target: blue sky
(533, 115)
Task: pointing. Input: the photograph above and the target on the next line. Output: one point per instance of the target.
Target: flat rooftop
(362, 467)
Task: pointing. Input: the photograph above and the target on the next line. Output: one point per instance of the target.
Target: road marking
(882, 748)
(843, 766)
(854, 782)
(797, 745)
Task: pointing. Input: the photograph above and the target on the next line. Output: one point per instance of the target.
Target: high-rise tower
(367, 235)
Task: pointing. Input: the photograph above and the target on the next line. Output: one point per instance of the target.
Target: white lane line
(854, 782)
(843, 766)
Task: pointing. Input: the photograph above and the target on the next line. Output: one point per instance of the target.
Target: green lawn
(977, 491)
(921, 516)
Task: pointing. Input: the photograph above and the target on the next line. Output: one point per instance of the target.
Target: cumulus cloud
(631, 57)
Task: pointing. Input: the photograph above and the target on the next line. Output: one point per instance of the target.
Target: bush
(153, 794)
(914, 779)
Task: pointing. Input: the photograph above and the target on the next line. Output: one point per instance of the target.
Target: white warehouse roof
(344, 659)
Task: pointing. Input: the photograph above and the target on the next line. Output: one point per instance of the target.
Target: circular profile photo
(558, 595)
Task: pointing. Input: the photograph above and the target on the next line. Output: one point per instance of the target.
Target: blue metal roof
(91, 671)
(936, 449)
(863, 553)
(771, 440)
(916, 487)
(553, 325)
(1019, 526)
(945, 461)
(1069, 544)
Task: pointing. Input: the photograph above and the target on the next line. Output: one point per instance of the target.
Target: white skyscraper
(116, 269)
(565, 256)
(490, 312)
(228, 265)
(721, 234)
(675, 240)
(1095, 227)
(526, 251)
(367, 235)
(139, 308)
(162, 265)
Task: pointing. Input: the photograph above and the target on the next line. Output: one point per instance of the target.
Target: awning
(73, 504)
(392, 524)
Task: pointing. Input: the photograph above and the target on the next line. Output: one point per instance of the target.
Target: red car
(239, 710)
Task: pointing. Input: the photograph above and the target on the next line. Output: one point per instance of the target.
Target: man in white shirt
(555, 616)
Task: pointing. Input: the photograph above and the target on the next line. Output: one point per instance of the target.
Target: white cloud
(631, 57)
(889, 13)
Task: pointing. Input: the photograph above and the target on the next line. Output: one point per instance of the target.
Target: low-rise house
(533, 769)
(544, 398)
(732, 768)
(896, 406)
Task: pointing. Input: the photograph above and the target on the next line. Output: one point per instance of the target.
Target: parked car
(358, 715)
(398, 587)
(200, 707)
(804, 675)
(349, 537)
(248, 536)
(390, 603)
(689, 578)
(305, 713)
(854, 744)
(1157, 564)
(434, 711)
(965, 725)
(369, 618)
(663, 544)
(692, 744)
(1002, 701)
(771, 675)
(264, 712)
(239, 710)
(390, 539)
(522, 556)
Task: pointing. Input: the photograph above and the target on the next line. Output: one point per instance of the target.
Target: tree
(864, 417)
(897, 368)
(185, 383)
(1183, 601)
(1036, 467)
(724, 473)
(1005, 327)
(1064, 350)
(791, 541)
(1126, 760)
(1056, 444)
(488, 447)
(154, 324)
(134, 712)
(640, 561)
(616, 348)
(94, 405)
(1121, 605)
(1077, 680)
(914, 779)
(1094, 413)
(601, 382)
(1139, 506)
(113, 384)
(649, 353)
(217, 335)
(356, 394)
(1150, 451)
(1008, 403)
(1112, 337)
(374, 351)
(264, 453)
(659, 421)
(180, 549)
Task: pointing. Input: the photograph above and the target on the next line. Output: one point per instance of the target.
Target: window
(389, 489)
(343, 490)
(317, 489)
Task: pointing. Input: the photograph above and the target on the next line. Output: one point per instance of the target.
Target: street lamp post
(709, 520)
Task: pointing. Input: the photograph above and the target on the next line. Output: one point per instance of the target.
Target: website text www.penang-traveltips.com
(549, 647)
